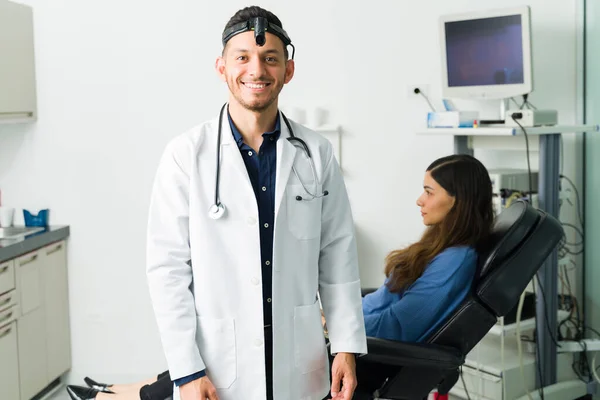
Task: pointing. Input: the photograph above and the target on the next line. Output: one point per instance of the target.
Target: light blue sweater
(412, 315)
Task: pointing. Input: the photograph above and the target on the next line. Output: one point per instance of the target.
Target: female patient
(425, 281)
(429, 279)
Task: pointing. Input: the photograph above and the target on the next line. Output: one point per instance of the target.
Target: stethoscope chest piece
(216, 211)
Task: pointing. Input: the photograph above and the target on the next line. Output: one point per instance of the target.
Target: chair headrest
(511, 227)
(522, 238)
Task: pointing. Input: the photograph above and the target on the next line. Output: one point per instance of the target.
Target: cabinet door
(9, 367)
(17, 65)
(29, 277)
(7, 276)
(56, 304)
(32, 353)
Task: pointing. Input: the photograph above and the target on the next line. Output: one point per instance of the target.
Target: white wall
(118, 78)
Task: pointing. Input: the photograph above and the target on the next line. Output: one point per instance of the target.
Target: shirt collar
(237, 136)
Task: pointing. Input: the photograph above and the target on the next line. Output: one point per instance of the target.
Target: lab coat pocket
(309, 340)
(216, 342)
(304, 216)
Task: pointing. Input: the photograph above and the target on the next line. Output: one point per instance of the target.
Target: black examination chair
(523, 237)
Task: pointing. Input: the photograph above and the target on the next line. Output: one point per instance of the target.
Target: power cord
(418, 91)
(515, 117)
(537, 350)
(579, 215)
(527, 103)
(464, 384)
(552, 335)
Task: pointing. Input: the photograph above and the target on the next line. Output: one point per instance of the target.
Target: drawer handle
(4, 269)
(29, 260)
(54, 250)
(7, 317)
(5, 302)
(6, 332)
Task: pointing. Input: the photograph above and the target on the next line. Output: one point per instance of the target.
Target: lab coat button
(251, 221)
(255, 281)
(258, 342)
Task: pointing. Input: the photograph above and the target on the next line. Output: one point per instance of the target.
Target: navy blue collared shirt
(261, 169)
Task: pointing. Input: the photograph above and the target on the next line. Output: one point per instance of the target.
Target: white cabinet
(32, 353)
(42, 326)
(9, 367)
(9, 358)
(56, 303)
(17, 63)
(31, 324)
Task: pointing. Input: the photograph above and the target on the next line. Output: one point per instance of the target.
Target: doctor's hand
(343, 371)
(200, 389)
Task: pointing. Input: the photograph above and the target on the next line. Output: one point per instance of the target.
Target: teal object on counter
(41, 219)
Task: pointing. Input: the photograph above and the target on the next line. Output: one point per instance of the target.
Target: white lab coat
(210, 310)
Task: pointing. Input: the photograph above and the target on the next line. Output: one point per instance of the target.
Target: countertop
(13, 248)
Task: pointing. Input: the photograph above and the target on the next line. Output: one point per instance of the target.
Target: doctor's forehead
(246, 43)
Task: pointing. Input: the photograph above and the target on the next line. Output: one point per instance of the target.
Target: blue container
(41, 219)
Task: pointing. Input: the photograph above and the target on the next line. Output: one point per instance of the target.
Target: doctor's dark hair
(468, 223)
(247, 13)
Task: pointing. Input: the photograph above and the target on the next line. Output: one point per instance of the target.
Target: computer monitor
(486, 54)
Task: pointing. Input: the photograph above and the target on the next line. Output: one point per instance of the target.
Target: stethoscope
(217, 210)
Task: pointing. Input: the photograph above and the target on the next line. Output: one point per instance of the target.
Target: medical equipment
(217, 210)
(260, 25)
(486, 54)
(529, 118)
(512, 180)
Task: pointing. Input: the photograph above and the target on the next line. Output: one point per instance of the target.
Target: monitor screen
(485, 51)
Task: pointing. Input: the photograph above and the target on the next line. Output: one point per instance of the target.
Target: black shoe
(101, 387)
(82, 393)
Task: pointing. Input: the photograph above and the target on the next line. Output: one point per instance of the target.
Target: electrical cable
(520, 345)
(537, 351)
(579, 215)
(418, 91)
(516, 116)
(464, 384)
(552, 335)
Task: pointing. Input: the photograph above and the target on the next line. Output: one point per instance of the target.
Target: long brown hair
(468, 223)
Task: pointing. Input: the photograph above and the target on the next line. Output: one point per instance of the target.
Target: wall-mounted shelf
(509, 131)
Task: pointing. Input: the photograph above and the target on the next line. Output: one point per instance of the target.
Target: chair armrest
(405, 354)
(366, 291)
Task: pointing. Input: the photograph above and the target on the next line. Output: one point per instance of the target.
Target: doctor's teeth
(255, 85)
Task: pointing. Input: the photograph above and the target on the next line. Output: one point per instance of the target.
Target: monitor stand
(500, 121)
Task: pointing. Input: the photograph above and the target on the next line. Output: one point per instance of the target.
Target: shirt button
(268, 262)
(250, 153)
(258, 342)
(255, 281)
(264, 188)
(266, 225)
(269, 300)
(272, 139)
(251, 220)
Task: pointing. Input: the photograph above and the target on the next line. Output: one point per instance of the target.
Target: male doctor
(244, 231)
